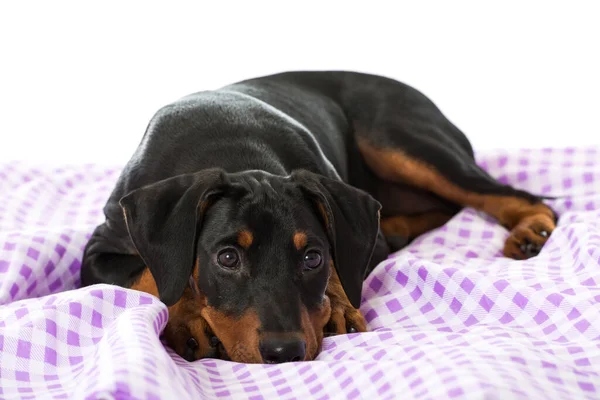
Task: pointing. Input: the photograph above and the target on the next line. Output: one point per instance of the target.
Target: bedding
(449, 316)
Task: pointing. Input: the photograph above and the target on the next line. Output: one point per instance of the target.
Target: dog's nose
(275, 351)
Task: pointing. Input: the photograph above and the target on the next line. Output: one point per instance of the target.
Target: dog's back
(312, 140)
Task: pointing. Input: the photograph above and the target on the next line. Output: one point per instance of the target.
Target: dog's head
(258, 249)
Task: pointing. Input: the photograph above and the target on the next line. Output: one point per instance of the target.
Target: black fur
(262, 154)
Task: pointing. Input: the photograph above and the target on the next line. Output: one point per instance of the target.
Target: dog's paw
(192, 339)
(205, 346)
(344, 319)
(528, 237)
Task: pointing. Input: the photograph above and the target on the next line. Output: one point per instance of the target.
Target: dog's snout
(280, 350)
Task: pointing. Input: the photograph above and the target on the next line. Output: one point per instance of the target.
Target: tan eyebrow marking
(245, 239)
(300, 240)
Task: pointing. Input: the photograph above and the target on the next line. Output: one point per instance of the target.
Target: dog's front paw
(206, 346)
(528, 237)
(344, 317)
(192, 339)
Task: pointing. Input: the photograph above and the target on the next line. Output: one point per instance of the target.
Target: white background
(80, 80)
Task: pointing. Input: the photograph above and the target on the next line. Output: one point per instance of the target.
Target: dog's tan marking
(323, 212)
(413, 226)
(510, 211)
(239, 335)
(300, 240)
(205, 204)
(185, 319)
(146, 283)
(245, 239)
(192, 317)
(343, 314)
(313, 324)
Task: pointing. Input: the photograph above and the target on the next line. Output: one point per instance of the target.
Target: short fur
(249, 166)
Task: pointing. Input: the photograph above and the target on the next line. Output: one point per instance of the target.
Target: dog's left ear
(351, 218)
(163, 220)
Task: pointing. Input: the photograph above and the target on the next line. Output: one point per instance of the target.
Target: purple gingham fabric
(449, 316)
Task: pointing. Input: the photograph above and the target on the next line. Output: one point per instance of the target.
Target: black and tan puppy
(253, 211)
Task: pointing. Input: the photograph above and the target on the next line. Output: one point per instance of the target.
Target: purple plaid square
(22, 376)
(23, 349)
(520, 300)
(50, 356)
(72, 338)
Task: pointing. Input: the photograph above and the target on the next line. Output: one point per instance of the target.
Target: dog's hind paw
(528, 237)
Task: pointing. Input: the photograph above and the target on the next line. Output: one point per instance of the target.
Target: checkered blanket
(449, 316)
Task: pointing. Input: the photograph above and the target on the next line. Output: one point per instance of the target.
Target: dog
(255, 211)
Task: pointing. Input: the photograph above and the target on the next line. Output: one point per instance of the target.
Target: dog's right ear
(162, 220)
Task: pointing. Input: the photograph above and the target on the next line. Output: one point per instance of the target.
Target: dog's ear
(163, 221)
(351, 218)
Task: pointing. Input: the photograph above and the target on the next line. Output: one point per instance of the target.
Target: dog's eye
(192, 344)
(228, 258)
(189, 353)
(312, 259)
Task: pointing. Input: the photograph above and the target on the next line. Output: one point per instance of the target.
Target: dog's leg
(404, 138)
(528, 219)
(344, 317)
(408, 227)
